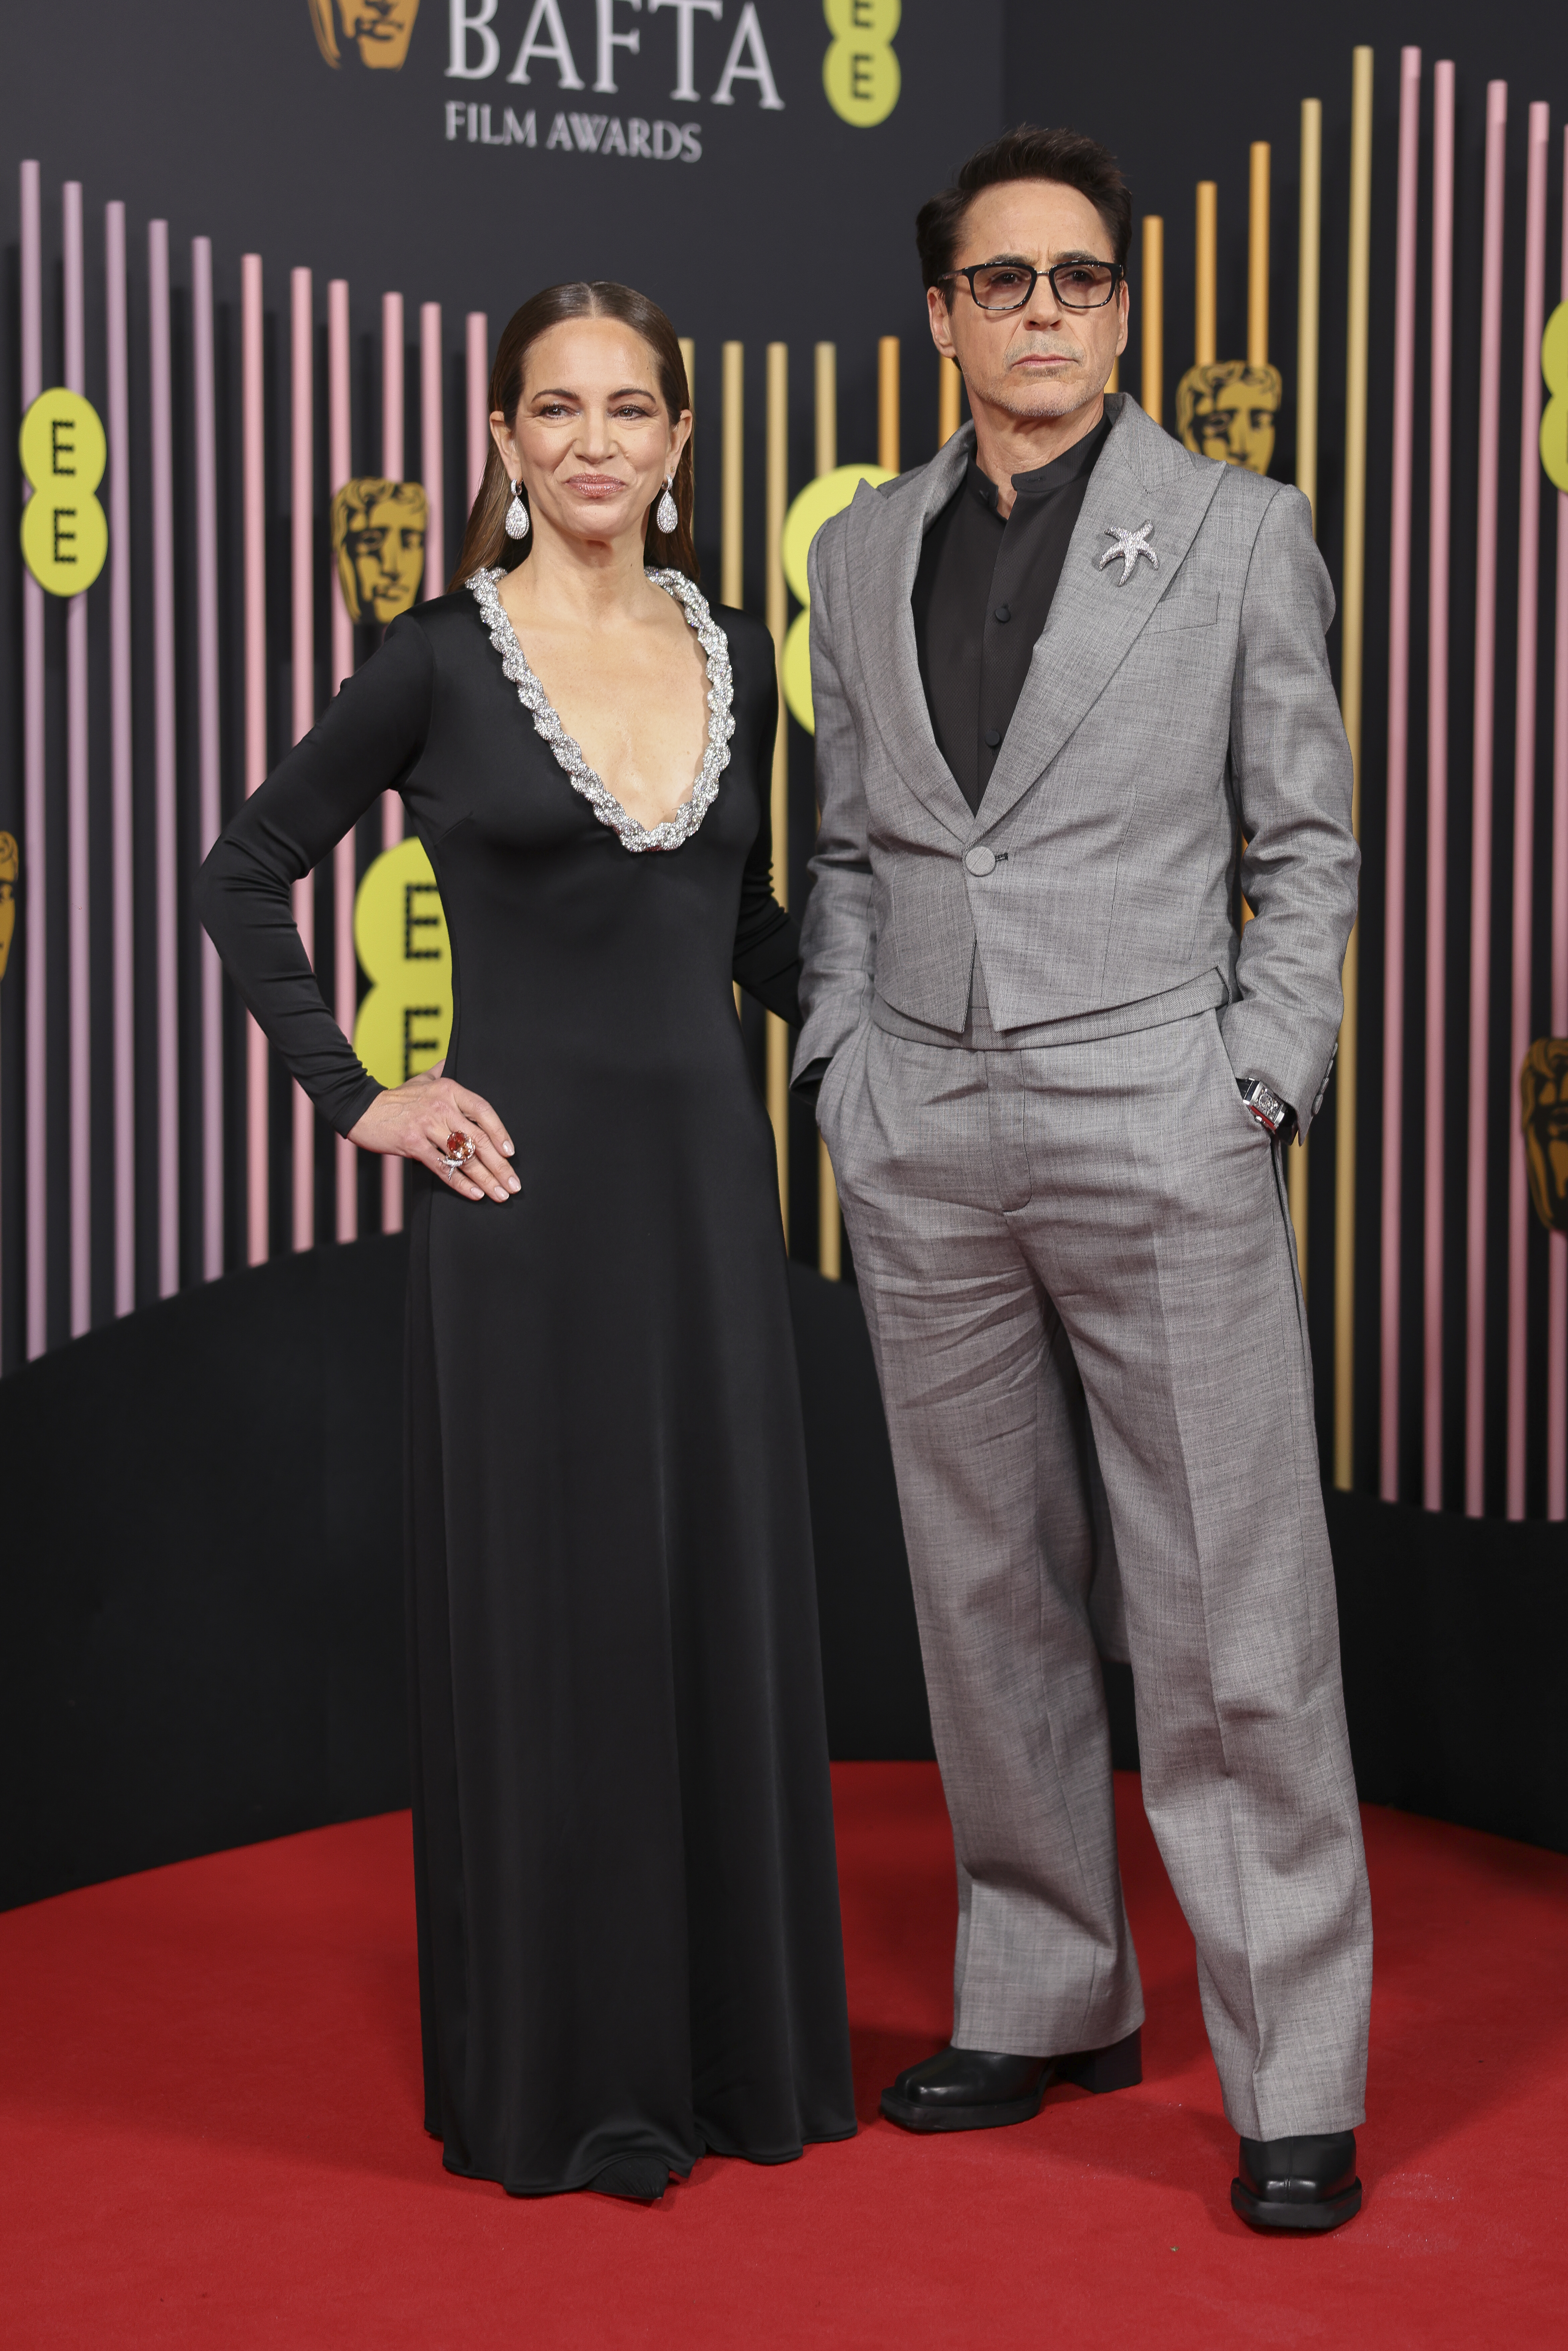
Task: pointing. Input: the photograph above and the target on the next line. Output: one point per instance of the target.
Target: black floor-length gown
(628, 1908)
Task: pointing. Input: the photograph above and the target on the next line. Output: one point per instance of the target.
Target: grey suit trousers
(1078, 1277)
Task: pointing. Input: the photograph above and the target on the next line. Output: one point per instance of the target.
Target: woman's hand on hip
(425, 1115)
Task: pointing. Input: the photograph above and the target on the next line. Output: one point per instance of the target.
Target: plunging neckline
(568, 752)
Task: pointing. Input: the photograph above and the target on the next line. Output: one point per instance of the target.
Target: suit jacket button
(981, 859)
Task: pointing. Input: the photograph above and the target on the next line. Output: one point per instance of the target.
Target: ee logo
(828, 495)
(401, 939)
(65, 531)
(859, 72)
(1554, 423)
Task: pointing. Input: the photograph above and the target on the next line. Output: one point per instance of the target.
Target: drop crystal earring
(666, 515)
(516, 514)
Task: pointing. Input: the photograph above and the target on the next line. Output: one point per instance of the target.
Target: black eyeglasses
(1009, 285)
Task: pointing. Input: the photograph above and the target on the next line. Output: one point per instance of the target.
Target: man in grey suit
(1061, 675)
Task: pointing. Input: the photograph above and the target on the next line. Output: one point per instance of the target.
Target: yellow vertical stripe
(732, 461)
(1309, 271)
(826, 387)
(1352, 607)
(887, 434)
(949, 384)
(1308, 279)
(1205, 277)
(778, 1032)
(1258, 257)
(1153, 338)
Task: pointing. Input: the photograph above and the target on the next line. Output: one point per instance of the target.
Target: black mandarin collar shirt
(983, 594)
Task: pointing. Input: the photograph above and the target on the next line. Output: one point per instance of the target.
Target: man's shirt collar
(1044, 479)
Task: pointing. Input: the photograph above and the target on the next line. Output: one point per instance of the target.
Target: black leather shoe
(1298, 2183)
(981, 2089)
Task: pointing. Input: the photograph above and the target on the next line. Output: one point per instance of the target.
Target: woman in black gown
(628, 1909)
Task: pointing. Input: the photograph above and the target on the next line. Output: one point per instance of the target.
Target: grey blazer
(1163, 720)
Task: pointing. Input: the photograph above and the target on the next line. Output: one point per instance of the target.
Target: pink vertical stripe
(340, 466)
(432, 463)
(391, 386)
(339, 457)
(1398, 756)
(253, 474)
(1441, 376)
(165, 819)
(1557, 1245)
(78, 837)
(392, 467)
(209, 752)
(392, 807)
(301, 486)
(1481, 803)
(120, 756)
(1539, 135)
(34, 871)
(302, 655)
(478, 388)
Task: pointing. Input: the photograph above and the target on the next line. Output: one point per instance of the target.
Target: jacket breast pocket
(1183, 612)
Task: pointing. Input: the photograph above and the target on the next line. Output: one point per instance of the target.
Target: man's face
(381, 29)
(1543, 1094)
(1233, 409)
(384, 544)
(1045, 359)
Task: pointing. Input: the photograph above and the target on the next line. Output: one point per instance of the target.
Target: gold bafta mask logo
(1543, 1110)
(378, 538)
(10, 862)
(382, 29)
(1227, 410)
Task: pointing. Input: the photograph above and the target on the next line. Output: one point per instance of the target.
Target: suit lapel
(882, 557)
(1142, 476)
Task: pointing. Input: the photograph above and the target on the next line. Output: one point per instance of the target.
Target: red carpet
(209, 2134)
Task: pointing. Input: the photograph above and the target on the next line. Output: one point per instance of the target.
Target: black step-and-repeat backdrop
(273, 248)
(1439, 1306)
(258, 242)
(743, 161)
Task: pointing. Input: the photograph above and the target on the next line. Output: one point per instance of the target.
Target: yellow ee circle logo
(401, 939)
(859, 72)
(65, 531)
(830, 493)
(1554, 423)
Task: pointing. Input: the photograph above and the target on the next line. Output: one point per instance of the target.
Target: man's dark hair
(1026, 153)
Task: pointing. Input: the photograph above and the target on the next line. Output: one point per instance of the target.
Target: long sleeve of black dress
(367, 742)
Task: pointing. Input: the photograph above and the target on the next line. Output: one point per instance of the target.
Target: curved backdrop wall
(272, 251)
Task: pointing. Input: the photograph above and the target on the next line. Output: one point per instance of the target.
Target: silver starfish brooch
(1130, 545)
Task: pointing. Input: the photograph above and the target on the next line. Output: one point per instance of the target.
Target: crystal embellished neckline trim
(568, 753)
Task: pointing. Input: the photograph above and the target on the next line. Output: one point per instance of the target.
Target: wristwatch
(1271, 1114)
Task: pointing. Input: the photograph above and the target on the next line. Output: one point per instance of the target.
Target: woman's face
(591, 438)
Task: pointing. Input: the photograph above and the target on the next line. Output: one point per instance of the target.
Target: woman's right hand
(414, 1119)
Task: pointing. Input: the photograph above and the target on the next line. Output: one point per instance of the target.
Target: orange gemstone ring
(459, 1151)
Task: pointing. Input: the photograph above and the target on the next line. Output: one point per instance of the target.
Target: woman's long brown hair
(485, 542)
